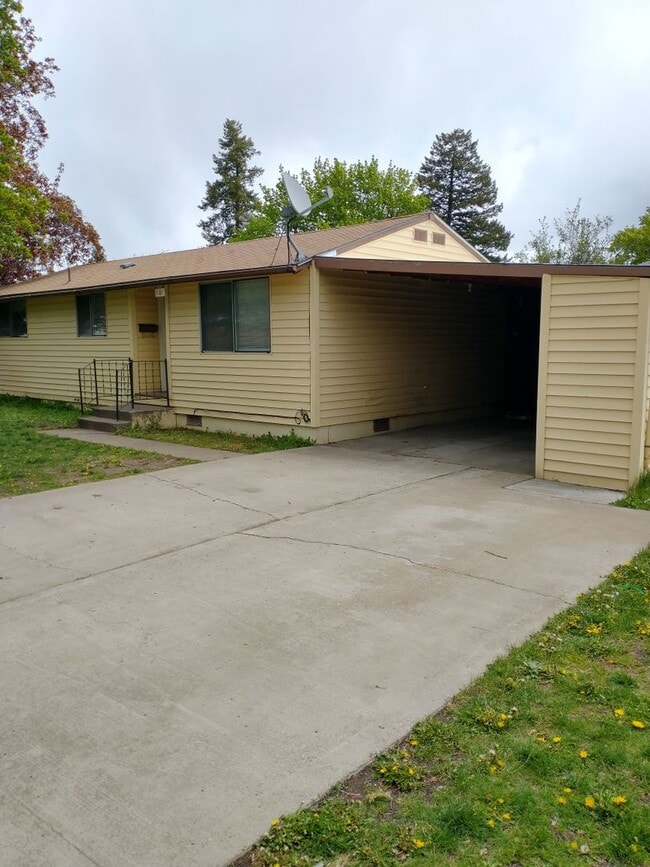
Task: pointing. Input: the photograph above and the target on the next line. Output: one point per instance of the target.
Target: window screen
(13, 318)
(91, 315)
(235, 316)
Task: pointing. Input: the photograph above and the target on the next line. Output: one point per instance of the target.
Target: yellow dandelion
(541, 740)
(574, 845)
(500, 801)
(411, 772)
(619, 800)
(491, 823)
(275, 822)
(561, 799)
(567, 790)
(382, 770)
(493, 769)
(506, 817)
(583, 754)
(638, 724)
(419, 844)
(619, 712)
(556, 739)
(590, 802)
(394, 768)
(414, 742)
(634, 847)
(594, 629)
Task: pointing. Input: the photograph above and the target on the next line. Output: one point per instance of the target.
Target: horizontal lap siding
(391, 347)
(590, 380)
(243, 385)
(402, 245)
(44, 364)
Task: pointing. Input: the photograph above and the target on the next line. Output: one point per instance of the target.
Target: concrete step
(103, 423)
(127, 412)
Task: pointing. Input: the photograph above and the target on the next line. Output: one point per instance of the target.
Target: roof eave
(201, 277)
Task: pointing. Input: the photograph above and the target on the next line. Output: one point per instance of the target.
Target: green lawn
(231, 442)
(31, 461)
(544, 760)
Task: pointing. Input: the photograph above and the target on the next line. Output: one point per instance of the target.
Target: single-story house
(380, 326)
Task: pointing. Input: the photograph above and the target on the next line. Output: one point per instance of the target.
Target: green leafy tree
(230, 199)
(40, 227)
(631, 245)
(574, 240)
(362, 192)
(460, 189)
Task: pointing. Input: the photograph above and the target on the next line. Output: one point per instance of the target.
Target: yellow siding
(589, 355)
(402, 245)
(146, 346)
(244, 385)
(44, 364)
(396, 347)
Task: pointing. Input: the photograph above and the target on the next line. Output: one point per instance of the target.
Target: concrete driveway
(188, 654)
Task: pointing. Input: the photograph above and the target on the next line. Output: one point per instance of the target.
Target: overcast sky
(557, 93)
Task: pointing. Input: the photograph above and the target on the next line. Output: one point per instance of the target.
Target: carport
(560, 349)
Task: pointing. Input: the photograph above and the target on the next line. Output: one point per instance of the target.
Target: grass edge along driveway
(543, 760)
(32, 461)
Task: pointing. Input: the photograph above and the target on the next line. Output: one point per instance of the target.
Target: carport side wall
(593, 380)
(242, 391)
(413, 351)
(44, 364)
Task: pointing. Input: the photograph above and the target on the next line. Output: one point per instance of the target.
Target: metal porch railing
(122, 382)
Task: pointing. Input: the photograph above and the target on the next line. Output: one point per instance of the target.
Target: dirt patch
(113, 469)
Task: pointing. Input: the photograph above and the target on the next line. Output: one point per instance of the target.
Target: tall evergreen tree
(461, 190)
(229, 200)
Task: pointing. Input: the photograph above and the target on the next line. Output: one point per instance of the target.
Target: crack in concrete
(48, 824)
(41, 560)
(180, 486)
(429, 566)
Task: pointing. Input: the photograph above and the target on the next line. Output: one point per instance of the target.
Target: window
(235, 316)
(13, 318)
(91, 315)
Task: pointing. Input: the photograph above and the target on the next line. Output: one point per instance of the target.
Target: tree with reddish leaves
(40, 227)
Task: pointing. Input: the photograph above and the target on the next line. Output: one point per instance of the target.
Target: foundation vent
(381, 425)
(194, 420)
(438, 238)
(420, 235)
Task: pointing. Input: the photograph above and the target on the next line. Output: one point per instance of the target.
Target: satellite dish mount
(299, 205)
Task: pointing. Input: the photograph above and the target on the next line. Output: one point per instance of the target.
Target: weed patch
(231, 442)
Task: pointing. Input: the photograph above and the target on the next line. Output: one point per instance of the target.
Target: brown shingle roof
(263, 255)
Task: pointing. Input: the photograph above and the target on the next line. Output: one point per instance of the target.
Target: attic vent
(438, 238)
(381, 425)
(125, 265)
(194, 420)
(420, 235)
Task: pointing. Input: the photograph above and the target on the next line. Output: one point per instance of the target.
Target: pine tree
(461, 190)
(230, 199)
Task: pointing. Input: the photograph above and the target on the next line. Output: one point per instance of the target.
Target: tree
(631, 246)
(576, 240)
(362, 192)
(230, 199)
(461, 191)
(40, 227)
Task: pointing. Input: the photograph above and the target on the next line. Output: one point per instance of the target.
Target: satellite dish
(300, 205)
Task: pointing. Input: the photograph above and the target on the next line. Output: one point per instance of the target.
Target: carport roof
(481, 272)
